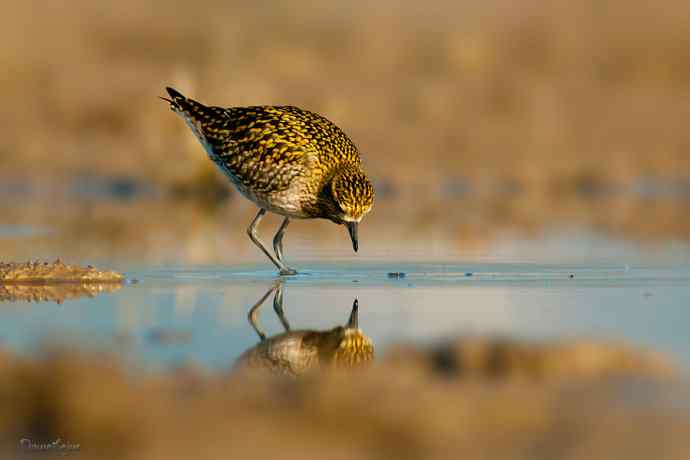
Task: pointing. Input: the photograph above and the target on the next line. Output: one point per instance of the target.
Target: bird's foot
(287, 271)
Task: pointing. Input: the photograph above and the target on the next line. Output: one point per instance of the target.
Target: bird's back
(269, 150)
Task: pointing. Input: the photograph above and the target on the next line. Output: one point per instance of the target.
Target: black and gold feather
(267, 151)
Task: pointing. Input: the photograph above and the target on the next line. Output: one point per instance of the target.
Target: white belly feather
(282, 202)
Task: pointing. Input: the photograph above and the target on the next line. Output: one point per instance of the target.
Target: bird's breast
(288, 202)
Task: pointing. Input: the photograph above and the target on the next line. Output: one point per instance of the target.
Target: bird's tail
(179, 103)
(207, 123)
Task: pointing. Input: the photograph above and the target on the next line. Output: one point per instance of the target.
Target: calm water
(566, 283)
(174, 315)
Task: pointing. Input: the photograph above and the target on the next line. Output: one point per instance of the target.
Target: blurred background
(474, 118)
(532, 181)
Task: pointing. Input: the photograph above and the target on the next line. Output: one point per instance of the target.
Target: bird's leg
(278, 307)
(278, 239)
(251, 231)
(278, 246)
(255, 310)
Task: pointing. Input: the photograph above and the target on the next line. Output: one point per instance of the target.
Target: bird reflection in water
(295, 352)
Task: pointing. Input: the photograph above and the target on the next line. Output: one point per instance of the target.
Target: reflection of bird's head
(343, 346)
(354, 349)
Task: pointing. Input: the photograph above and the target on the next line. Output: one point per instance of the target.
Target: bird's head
(348, 198)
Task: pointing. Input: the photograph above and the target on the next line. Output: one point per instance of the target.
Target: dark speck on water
(161, 336)
(396, 275)
(469, 274)
(122, 338)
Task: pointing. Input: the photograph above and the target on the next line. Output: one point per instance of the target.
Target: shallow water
(419, 280)
(175, 315)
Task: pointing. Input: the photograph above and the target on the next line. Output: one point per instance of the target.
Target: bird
(289, 161)
(293, 353)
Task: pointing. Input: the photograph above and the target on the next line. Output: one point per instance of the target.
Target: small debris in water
(396, 275)
(122, 338)
(162, 336)
(469, 274)
(355, 281)
(571, 276)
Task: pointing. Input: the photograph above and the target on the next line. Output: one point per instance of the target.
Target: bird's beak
(352, 228)
(353, 322)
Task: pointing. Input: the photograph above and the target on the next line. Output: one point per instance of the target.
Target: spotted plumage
(287, 160)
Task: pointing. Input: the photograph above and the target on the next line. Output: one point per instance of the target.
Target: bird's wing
(261, 147)
(324, 135)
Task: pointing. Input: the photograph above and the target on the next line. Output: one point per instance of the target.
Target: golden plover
(287, 160)
(296, 352)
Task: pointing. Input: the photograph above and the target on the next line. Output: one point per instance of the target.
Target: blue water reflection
(208, 306)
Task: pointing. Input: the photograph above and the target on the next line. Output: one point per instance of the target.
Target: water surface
(198, 314)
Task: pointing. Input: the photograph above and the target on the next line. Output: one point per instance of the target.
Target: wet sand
(479, 398)
(56, 272)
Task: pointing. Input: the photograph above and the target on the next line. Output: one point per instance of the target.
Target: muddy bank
(505, 359)
(56, 272)
(53, 281)
(411, 404)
